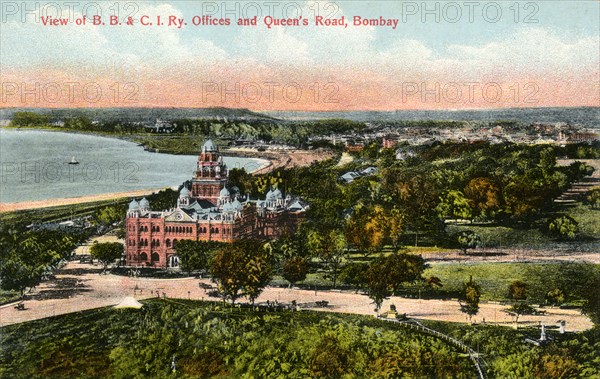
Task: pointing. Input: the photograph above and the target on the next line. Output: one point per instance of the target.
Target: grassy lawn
(588, 219)
(494, 278)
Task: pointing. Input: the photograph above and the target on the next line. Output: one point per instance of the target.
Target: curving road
(79, 287)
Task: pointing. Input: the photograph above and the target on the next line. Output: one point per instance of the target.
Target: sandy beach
(10, 207)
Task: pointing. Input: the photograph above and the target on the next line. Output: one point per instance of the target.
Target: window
(168, 242)
(143, 257)
(155, 257)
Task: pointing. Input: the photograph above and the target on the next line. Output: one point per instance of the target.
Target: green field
(494, 278)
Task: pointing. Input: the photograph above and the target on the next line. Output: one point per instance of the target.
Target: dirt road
(79, 287)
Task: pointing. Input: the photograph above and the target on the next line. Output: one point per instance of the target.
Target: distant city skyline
(439, 55)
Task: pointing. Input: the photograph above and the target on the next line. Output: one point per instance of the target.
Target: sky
(439, 55)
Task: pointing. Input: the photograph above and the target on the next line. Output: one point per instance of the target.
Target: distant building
(389, 142)
(161, 126)
(206, 211)
(350, 176)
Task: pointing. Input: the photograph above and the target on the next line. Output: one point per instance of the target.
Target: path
(78, 287)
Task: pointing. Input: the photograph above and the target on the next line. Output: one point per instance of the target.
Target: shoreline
(272, 160)
(37, 204)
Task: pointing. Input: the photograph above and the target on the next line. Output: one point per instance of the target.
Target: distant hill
(583, 116)
(140, 114)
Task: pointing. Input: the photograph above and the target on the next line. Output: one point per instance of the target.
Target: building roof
(134, 205)
(209, 145)
(144, 203)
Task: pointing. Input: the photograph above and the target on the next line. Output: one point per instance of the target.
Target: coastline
(274, 159)
(35, 204)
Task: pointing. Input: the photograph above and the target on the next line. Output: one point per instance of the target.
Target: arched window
(143, 257)
(155, 257)
(174, 243)
(168, 242)
(158, 228)
(217, 230)
(157, 242)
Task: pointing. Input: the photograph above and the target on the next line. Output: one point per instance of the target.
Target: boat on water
(73, 161)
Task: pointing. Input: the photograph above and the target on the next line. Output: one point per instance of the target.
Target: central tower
(210, 176)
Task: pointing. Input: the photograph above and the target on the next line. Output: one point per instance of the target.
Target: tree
(593, 198)
(193, 255)
(329, 247)
(109, 215)
(483, 195)
(386, 275)
(259, 271)
(25, 258)
(555, 297)
(354, 274)
(107, 252)
(295, 270)
(378, 284)
(591, 295)
(238, 177)
(453, 204)
(329, 359)
(469, 299)
(433, 281)
(366, 229)
(241, 269)
(517, 291)
(467, 239)
(564, 227)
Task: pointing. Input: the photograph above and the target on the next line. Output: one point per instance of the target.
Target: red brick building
(207, 211)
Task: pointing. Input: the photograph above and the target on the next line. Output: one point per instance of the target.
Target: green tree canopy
(564, 227)
(241, 269)
(469, 298)
(107, 252)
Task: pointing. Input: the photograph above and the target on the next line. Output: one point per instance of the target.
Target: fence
(473, 355)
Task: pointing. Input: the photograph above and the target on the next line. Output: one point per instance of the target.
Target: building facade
(206, 211)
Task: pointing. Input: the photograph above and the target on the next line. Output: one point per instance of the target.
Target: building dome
(236, 205)
(134, 205)
(277, 194)
(227, 207)
(184, 192)
(144, 204)
(224, 192)
(209, 145)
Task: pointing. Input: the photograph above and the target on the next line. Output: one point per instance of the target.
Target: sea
(34, 165)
